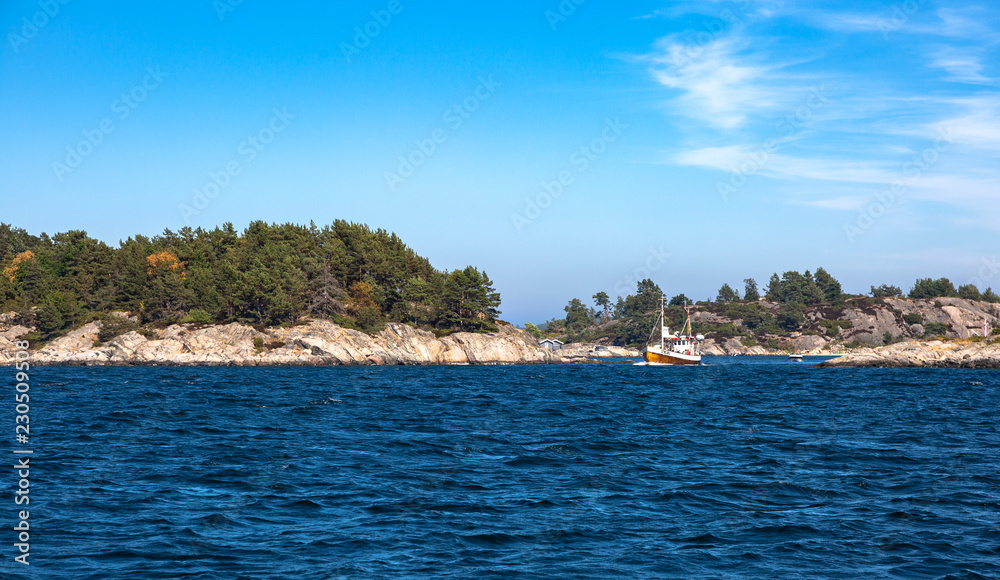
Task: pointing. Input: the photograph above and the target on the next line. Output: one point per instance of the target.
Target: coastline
(315, 342)
(954, 354)
(311, 343)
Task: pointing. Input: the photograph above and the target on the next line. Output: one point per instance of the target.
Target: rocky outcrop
(933, 354)
(858, 321)
(312, 342)
(731, 346)
(578, 352)
(963, 318)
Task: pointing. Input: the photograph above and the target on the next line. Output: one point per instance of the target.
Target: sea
(744, 467)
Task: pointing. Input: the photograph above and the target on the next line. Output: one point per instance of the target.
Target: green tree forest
(634, 316)
(268, 274)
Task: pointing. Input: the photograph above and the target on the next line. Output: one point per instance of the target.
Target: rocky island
(347, 294)
(310, 343)
(934, 354)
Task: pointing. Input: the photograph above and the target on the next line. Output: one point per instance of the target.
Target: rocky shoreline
(933, 354)
(323, 343)
(312, 343)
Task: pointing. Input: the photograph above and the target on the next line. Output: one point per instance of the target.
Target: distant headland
(349, 294)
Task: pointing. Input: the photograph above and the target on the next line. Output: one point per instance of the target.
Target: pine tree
(727, 295)
(774, 290)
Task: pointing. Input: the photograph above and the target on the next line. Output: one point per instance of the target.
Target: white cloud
(715, 85)
(877, 128)
(962, 65)
(843, 203)
(721, 158)
(979, 126)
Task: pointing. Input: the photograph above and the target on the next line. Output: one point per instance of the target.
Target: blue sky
(566, 148)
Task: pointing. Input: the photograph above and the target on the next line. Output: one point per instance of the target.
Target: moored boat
(675, 348)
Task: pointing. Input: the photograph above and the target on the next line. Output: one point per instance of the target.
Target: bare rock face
(76, 347)
(933, 354)
(808, 343)
(579, 352)
(317, 342)
(730, 347)
(14, 332)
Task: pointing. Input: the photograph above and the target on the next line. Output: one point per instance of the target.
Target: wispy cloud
(717, 82)
(883, 127)
(978, 125)
(963, 65)
(842, 203)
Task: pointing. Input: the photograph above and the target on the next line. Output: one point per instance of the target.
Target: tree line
(636, 313)
(267, 274)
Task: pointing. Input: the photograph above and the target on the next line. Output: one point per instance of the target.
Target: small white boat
(795, 357)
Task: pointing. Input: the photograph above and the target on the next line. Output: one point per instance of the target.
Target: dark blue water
(745, 468)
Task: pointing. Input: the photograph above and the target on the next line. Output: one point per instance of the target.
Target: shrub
(749, 313)
(969, 292)
(886, 291)
(996, 331)
(258, 342)
(198, 316)
(887, 337)
(935, 329)
(790, 316)
(929, 288)
(113, 326)
(913, 318)
(748, 341)
(370, 320)
(833, 330)
(727, 329)
(773, 344)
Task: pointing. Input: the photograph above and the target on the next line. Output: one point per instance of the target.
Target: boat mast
(662, 321)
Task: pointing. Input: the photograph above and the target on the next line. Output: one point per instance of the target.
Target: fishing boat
(675, 348)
